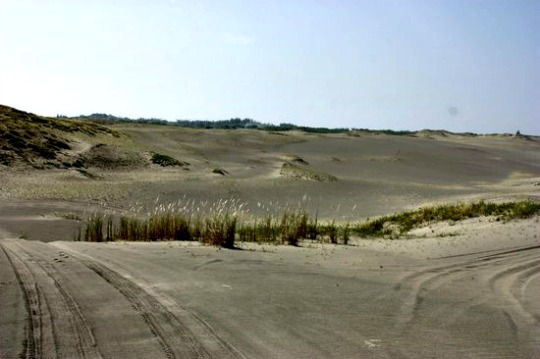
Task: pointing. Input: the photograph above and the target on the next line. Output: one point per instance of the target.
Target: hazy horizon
(462, 66)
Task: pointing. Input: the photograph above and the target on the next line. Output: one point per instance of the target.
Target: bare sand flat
(451, 290)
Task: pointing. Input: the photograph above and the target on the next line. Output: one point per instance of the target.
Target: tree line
(230, 124)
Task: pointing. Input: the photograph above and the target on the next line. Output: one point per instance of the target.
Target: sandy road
(61, 292)
(172, 300)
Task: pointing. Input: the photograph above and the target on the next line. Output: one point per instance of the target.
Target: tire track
(167, 321)
(494, 283)
(50, 308)
(36, 331)
(425, 281)
(81, 342)
(509, 283)
(526, 278)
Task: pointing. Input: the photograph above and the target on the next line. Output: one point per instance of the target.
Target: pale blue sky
(457, 65)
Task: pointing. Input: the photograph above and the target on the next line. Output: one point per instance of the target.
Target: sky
(464, 66)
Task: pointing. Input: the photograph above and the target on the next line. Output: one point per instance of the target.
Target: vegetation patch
(166, 161)
(217, 227)
(292, 170)
(397, 224)
(220, 171)
(110, 157)
(39, 141)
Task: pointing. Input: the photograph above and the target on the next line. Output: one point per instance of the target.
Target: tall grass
(220, 226)
(168, 222)
(223, 222)
(283, 226)
(94, 228)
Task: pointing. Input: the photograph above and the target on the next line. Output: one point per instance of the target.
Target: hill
(39, 141)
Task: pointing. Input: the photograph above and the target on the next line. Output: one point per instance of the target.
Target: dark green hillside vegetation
(38, 141)
(166, 161)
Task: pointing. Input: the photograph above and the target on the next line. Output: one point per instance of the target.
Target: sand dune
(376, 174)
(467, 289)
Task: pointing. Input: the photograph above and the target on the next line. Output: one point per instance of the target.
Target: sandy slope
(428, 297)
(376, 174)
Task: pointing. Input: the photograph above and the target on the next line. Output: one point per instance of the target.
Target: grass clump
(167, 226)
(220, 226)
(94, 228)
(287, 227)
(262, 231)
(167, 223)
(294, 226)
